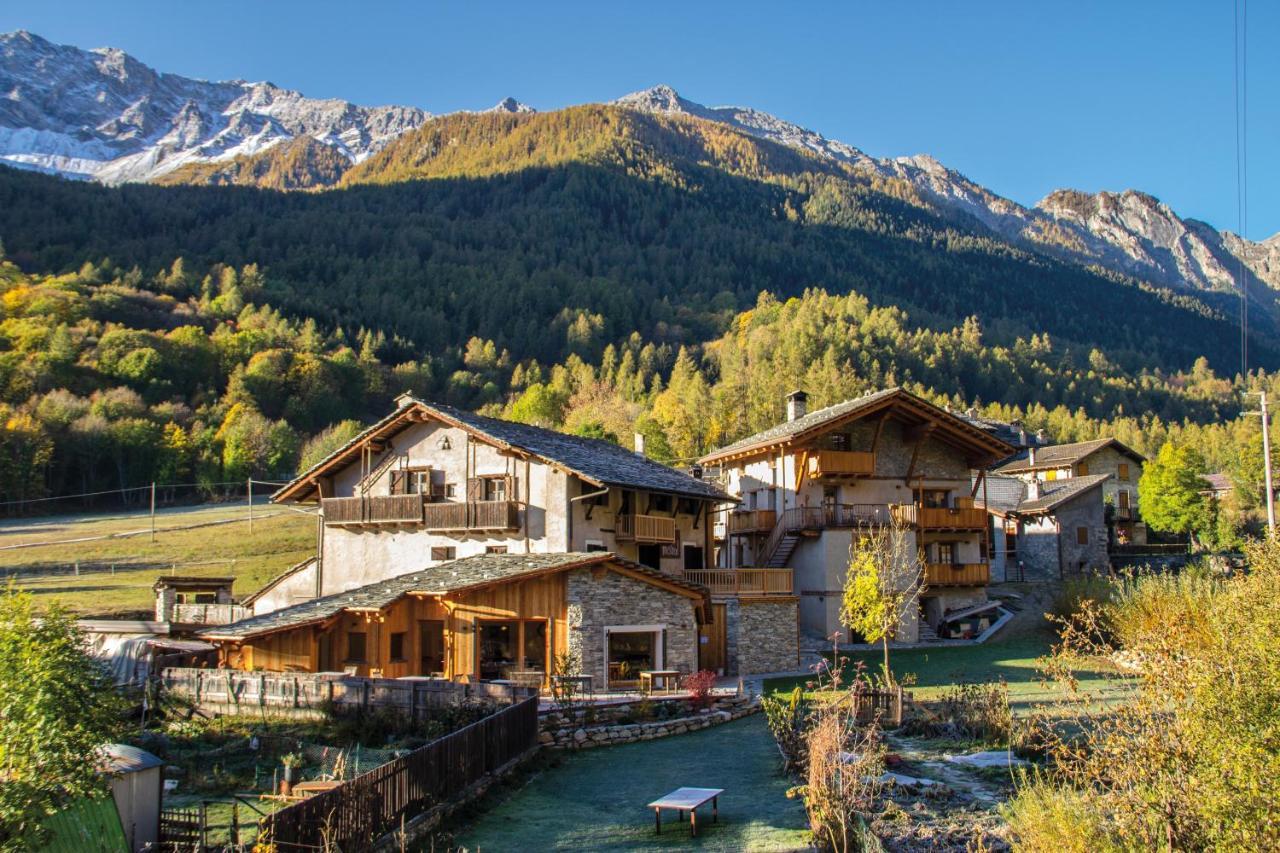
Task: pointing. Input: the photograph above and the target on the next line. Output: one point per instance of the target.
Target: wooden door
(712, 638)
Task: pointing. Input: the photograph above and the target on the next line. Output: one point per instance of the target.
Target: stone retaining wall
(560, 731)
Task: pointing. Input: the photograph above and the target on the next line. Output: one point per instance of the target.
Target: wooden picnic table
(687, 800)
(665, 675)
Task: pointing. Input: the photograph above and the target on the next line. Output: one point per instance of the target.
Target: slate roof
(453, 576)
(1009, 495)
(596, 460)
(1061, 456)
(1219, 482)
(813, 420)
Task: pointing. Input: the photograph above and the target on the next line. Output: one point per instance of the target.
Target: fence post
(262, 690)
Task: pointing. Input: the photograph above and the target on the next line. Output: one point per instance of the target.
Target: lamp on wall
(444, 443)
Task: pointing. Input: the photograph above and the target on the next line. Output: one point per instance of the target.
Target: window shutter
(511, 487)
(399, 482)
(475, 489)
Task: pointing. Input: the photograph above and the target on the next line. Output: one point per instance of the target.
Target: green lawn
(117, 570)
(595, 800)
(1012, 658)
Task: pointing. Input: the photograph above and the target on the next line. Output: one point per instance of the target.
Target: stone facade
(768, 637)
(1048, 546)
(597, 601)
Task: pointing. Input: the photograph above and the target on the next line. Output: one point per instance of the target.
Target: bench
(666, 676)
(687, 800)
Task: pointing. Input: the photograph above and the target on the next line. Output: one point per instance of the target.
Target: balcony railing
(841, 463)
(752, 521)
(1124, 513)
(378, 509)
(957, 574)
(940, 518)
(744, 583)
(648, 529)
(472, 515)
(413, 510)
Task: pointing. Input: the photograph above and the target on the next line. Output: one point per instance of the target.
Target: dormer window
(839, 441)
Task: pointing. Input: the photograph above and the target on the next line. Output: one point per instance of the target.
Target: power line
(1240, 55)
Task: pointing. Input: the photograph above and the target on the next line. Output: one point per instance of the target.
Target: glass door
(630, 653)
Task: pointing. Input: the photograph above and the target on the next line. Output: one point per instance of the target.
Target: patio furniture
(583, 683)
(528, 678)
(687, 800)
(666, 676)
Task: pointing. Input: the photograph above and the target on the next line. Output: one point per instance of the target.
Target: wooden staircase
(782, 552)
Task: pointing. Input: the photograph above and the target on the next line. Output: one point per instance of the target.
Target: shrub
(1067, 602)
(786, 720)
(969, 712)
(700, 684)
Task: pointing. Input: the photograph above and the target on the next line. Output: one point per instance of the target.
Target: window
(1051, 475)
(947, 553)
(420, 481)
(397, 646)
(660, 503)
(1082, 536)
(687, 506)
(840, 441)
(495, 549)
(356, 646)
(447, 552)
(594, 545)
(1122, 499)
(935, 498)
(1124, 471)
(450, 490)
(495, 488)
(1082, 469)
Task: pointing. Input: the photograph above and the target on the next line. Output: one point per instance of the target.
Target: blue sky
(1022, 97)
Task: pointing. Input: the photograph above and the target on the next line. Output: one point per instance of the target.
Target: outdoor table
(687, 800)
(666, 675)
(582, 680)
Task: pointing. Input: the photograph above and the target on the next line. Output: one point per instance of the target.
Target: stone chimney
(1031, 456)
(1033, 489)
(639, 444)
(797, 405)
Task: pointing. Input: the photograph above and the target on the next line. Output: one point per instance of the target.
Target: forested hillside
(557, 233)
(596, 269)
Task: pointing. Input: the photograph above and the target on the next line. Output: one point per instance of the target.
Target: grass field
(595, 800)
(1011, 658)
(117, 570)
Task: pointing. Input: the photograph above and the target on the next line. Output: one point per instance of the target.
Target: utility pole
(251, 497)
(1266, 458)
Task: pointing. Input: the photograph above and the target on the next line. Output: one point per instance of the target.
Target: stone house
(486, 617)
(1046, 530)
(430, 484)
(1088, 458)
(810, 484)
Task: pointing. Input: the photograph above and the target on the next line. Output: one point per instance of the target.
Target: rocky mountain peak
(510, 105)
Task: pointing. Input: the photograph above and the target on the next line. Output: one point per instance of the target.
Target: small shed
(136, 782)
(184, 598)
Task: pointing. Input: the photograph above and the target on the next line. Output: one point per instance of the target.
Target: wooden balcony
(744, 583)
(752, 521)
(647, 529)
(412, 510)
(472, 515)
(940, 518)
(1124, 513)
(375, 510)
(957, 574)
(841, 463)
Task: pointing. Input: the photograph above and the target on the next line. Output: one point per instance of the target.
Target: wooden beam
(875, 440)
(915, 452)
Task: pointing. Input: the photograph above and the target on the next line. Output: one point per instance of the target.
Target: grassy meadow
(118, 562)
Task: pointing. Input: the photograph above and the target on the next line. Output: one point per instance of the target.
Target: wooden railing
(826, 463)
(354, 815)
(752, 521)
(645, 528)
(946, 518)
(745, 583)
(473, 515)
(208, 614)
(957, 574)
(376, 509)
(1124, 513)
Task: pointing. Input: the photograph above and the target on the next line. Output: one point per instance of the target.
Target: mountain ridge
(102, 114)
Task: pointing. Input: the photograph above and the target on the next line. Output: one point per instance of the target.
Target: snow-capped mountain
(1129, 232)
(101, 114)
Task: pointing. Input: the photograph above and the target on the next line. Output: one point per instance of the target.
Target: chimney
(639, 444)
(797, 405)
(696, 472)
(404, 399)
(1031, 456)
(1042, 437)
(1022, 437)
(1033, 489)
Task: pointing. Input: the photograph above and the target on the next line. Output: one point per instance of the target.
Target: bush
(786, 719)
(1067, 603)
(1146, 606)
(700, 684)
(969, 712)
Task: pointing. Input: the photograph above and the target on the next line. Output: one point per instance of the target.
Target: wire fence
(139, 497)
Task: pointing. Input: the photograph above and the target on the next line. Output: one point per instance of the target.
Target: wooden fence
(354, 815)
(231, 691)
(882, 705)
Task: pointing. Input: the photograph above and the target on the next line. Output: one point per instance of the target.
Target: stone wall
(598, 600)
(768, 639)
(1050, 552)
(620, 724)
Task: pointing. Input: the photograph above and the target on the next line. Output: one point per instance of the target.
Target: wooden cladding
(957, 574)
(651, 529)
(841, 463)
(744, 583)
(752, 521)
(414, 510)
(940, 518)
